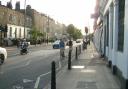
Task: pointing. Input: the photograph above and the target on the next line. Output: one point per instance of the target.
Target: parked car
(78, 41)
(56, 44)
(67, 43)
(3, 55)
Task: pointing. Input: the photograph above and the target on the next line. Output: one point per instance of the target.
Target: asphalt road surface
(31, 71)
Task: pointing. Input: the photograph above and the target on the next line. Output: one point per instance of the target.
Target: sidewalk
(88, 72)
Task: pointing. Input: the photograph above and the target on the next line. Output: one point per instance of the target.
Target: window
(121, 25)
(15, 32)
(10, 34)
(20, 33)
(10, 17)
(112, 27)
(1, 15)
(107, 30)
(14, 19)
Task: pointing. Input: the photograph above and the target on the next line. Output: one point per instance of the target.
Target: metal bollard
(76, 54)
(53, 75)
(69, 60)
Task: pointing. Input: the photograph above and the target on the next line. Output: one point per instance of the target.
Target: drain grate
(86, 85)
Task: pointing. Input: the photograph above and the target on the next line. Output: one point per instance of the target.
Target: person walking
(62, 48)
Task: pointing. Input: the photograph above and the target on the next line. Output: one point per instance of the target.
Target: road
(32, 70)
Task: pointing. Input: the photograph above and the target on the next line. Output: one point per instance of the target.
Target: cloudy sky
(76, 12)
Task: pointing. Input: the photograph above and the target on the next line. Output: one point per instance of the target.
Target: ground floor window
(121, 25)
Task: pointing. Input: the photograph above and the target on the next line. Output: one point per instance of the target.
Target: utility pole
(47, 29)
(24, 17)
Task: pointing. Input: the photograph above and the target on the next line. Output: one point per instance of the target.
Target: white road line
(37, 83)
(60, 64)
(45, 74)
(38, 79)
(28, 63)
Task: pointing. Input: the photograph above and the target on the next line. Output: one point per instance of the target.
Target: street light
(24, 16)
(47, 28)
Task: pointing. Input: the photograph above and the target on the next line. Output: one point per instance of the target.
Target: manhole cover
(86, 85)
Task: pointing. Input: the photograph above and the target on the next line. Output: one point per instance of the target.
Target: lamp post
(24, 17)
(47, 29)
(86, 31)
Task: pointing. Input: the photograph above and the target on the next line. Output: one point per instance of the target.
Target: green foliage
(74, 32)
(35, 34)
(70, 29)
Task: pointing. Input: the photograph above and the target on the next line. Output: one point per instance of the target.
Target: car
(56, 44)
(67, 43)
(78, 41)
(3, 55)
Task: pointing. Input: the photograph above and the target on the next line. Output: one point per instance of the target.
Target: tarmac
(14, 50)
(89, 71)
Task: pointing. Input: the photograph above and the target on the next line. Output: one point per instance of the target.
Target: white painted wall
(125, 62)
(18, 31)
(120, 59)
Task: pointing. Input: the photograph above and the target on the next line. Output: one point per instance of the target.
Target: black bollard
(69, 60)
(53, 76)
(76, 53)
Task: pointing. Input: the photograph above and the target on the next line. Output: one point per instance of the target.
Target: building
(111, 37)
(44, 23)
(14, 24)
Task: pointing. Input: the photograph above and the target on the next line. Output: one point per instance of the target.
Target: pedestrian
(40, 42)
(18, 43)
(70, 45)
(84, 44)
(62, 48)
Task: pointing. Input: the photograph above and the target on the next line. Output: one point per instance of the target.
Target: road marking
(60, 65)
(37, 83)
(28, 63)
(27, 80)
(38, 79)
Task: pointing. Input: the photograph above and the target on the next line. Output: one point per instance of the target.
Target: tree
(70, 29)
(74, 32)
(77, 34)
(33, 34)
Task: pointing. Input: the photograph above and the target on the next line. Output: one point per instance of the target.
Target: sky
(76, 12)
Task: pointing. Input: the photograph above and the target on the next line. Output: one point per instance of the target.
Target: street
(32, 70)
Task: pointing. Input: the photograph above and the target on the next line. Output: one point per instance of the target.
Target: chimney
(17, 6)
(0, 2)
(28, 10)
(9, 5)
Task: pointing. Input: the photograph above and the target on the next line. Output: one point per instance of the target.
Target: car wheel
(1, 58)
